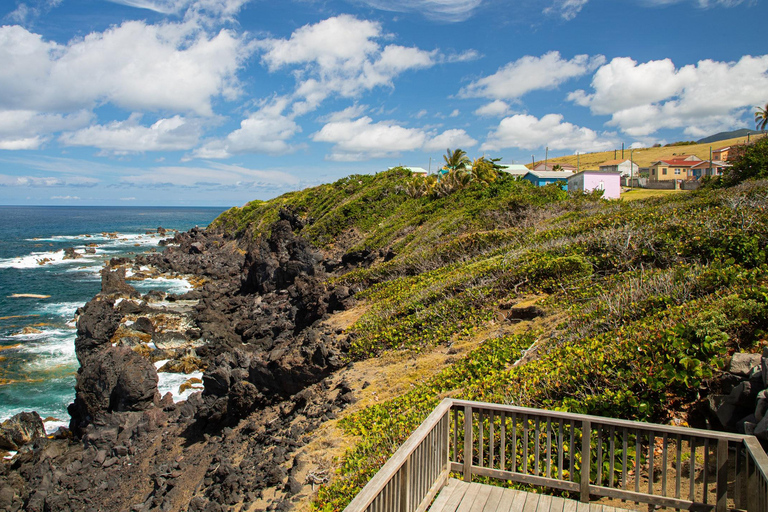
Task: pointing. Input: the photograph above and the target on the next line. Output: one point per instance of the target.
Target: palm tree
(761, 117)
(455, 160)
(483, 170)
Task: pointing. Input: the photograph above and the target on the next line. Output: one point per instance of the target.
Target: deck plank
(545, 502)
(557, 504)
(454, 498)
(595, 507)
(444, 495)
(519, 504)
(531, 502)
(494, 499)
(570, 506)
(469, 497)
(507, 500)
(582, 507)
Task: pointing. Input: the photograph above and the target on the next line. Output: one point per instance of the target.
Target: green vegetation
(645, 299)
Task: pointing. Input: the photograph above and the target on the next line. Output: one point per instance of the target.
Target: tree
(484, 170)
(751, 163)
(761, 117)
(455, 160)
(557, 167)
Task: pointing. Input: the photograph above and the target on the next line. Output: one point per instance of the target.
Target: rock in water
(113, 283)
(21, 429)
(113, 380)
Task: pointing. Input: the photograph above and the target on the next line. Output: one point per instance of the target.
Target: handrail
(401, 458)
(582, 454)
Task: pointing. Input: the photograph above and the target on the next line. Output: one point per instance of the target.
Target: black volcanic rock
(97, 321)
(21, 429)
(113, 380)
(113, 283)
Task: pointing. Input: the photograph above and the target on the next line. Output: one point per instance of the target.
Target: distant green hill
(727, 135)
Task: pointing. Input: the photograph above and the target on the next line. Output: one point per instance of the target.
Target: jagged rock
(761, 429)
(21, 429)
(97, 322)
(71, 254)
(525, 313)
(113, 283)
(764, 369)
(743, 395)
(144, 324)
(113, 380)
(742, 363)
(761, 407)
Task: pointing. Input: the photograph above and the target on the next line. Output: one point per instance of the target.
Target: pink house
(587, 181)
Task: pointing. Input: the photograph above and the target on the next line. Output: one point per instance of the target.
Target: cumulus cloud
(217, 8)
(496, 108)
(531, 73)
(644, 98)
(138, 66)
(129, 136)
(529, 132)
(362, 139)
(441, 10)
(266, 131)
(340, 55)
(27, 129)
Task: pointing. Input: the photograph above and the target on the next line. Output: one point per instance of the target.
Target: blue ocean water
(37, 355)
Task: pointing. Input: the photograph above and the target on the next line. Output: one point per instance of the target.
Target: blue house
(541, 178)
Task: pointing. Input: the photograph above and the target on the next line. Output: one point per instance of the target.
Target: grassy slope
(638, 288)
(643, 157)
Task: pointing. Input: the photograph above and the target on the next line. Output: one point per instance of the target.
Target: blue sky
(218, 102)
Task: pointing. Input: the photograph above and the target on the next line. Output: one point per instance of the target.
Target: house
(675, 168)
(541, 178)
(727, 153)
(625, 167)
(515, 169)
(587, 181)
(550, 167)
(416, 171)
(707, 168)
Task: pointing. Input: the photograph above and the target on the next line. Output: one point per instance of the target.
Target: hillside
(643, 157)
(524, 295)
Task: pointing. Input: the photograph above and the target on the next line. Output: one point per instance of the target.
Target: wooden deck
(458, 496)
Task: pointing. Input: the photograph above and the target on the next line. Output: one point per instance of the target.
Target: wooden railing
(587, 456)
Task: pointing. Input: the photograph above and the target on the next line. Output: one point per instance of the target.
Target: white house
(515, 169)
(624, 167)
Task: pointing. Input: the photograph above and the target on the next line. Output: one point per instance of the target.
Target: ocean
(40, 290)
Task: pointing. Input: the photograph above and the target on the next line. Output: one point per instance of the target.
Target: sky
(219, 102)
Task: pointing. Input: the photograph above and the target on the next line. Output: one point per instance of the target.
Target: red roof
(678, 163)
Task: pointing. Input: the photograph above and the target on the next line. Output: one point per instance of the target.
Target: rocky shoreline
(254, 327)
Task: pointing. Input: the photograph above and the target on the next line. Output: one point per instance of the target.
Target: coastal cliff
(361, 303)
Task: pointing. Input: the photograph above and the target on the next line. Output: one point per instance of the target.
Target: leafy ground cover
(650, 296)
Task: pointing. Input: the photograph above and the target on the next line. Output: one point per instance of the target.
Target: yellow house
(672, 169)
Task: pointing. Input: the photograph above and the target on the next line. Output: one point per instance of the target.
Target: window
(653, 171)
(677, 171)
(664, 171)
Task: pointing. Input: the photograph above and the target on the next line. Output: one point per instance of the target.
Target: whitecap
(167, 284)
(65, 310)
(10, 455)
(53, 425)
(171, 382)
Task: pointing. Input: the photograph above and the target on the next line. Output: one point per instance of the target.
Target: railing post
(586, 459)
(405, 486)
(445, 456)
(722, 476)
(468, 443)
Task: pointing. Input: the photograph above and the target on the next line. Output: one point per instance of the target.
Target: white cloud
(219, 8)
(703, 98)
(455, 113)
(362, 139)
(266, 131)
(340, 55)
(129, 136)
(348, 113)
(27, 129)
(566, 9)
(66, 198)
(171, 66)
(450, 139)
(528, 132)
(46, 181)
(213, 176)
(441, 10)
(496, 108)
(529, 74)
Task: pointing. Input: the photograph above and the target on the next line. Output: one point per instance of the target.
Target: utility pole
(533, 161)
(546, 158)
(578, 161)
(429, 171)
(622, 151)
(710, 160)
(631, 164)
